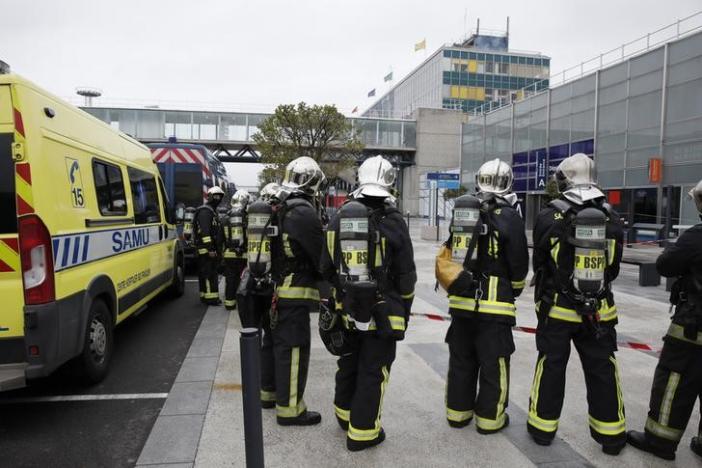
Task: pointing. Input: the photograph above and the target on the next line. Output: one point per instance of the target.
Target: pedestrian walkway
(413, 412)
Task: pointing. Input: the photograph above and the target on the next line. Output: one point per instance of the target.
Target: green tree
(320, 132)
(450, 194)
(551, 190)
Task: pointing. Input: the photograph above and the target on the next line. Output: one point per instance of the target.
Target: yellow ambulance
(86, 235)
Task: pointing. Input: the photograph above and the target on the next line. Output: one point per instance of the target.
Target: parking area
(57, 422)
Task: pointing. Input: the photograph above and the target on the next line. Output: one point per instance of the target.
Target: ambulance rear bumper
(12, 376)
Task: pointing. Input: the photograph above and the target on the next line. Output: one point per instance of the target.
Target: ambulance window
(109, 187)
(145, 197)
(8, 213)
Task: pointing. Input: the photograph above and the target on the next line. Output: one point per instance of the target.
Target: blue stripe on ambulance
(75, 249)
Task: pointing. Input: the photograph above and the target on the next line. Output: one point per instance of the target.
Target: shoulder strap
(561, 205)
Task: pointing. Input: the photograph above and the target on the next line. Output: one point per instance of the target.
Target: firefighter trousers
(677, 384)
(478, 376)
(291, 352)
(232, 276)
(604, 394)
(208, 278)
(361, 380)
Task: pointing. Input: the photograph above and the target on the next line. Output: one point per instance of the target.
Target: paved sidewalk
(413, 412)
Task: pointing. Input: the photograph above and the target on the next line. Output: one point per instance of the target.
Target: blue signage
(542, 171)
(442, 176)
(445, 180)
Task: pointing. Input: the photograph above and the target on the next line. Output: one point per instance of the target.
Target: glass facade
(151, 125)
(474, 78)
(464, 77)
(648, 107)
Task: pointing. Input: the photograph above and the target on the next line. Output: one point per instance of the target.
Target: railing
(673, 31)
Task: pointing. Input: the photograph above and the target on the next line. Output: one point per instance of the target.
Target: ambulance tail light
(37, 261)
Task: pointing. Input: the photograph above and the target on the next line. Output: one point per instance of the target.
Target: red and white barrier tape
(621, 343)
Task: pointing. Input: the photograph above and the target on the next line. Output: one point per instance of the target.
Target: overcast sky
(256, 54)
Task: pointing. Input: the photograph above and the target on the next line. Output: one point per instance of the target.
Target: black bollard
(250, 346)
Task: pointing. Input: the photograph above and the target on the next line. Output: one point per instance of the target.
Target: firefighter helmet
(303, 175)
(576, 179)
(241, 197)
(696, 195)
(574, 171)
(494, 177)
(215, 194)
(269, 191)
(376, 177)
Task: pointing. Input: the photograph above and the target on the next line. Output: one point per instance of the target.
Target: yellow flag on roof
(420, 45)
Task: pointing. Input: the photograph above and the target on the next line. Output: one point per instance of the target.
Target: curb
(175, 436)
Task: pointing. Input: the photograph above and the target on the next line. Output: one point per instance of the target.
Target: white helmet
(376, 177)
(575, 176)
(494, 177)
(303, 175)
(214, 192)
(696, 195)
(575, 170)
(269, 191)
(241, 197)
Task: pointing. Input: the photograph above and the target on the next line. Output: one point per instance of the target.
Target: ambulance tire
(93, 363)
(177, 288)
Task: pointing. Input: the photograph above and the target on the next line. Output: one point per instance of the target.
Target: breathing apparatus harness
(588, 284)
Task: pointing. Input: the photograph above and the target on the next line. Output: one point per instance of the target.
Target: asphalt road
(149, 351)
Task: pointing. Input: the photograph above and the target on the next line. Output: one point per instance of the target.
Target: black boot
(696, 445)
(613, 449)
(358, 445)
(544, 442)
(492, 431)
(638, 440)
(459, 424)
(308, 418)
(342, 424)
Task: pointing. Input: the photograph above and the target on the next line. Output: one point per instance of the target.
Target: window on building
(504, 68)
(481, 68)
(144, 196)
(109, 188)
(489, 67)
(464, 67)
(489, 94)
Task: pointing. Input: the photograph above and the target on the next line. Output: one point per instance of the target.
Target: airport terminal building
(640, 119)
(464, 76)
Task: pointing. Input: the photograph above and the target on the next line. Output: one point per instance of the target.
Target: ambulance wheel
(177, 288)
(94, 362)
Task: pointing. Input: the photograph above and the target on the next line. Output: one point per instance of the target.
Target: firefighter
(296, 252)
(577, 251)
(482, 266)
(677, 382)
(208, 240)
(235, 246)
(369, 259)
(255, 293)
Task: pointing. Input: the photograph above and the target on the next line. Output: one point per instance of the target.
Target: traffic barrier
(531, 330)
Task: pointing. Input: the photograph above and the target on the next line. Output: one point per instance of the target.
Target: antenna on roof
(88, 94)
(508, 27)
(477, 29)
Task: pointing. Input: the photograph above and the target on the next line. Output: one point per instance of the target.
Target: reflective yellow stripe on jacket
(484, 306)
(606, 312)
(287, 291)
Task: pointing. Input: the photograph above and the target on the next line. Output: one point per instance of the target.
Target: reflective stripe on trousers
(545, 425)
(295, 407)
(499, 421)
(660, 428)
(371, 434)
